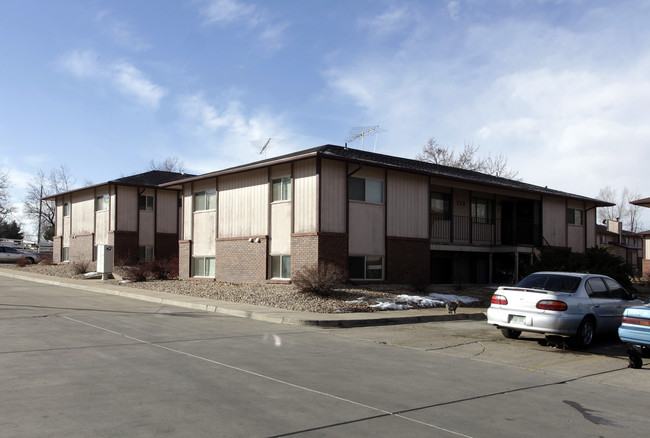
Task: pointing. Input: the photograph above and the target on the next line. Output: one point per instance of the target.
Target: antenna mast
(361, 132)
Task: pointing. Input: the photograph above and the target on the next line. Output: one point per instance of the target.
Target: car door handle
(597, 305)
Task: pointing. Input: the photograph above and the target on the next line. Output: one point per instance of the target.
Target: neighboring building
(645, 267)
(381, 218)
(133, 214)
(625, 244)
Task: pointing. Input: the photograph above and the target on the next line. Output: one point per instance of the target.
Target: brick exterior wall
(184, 259)
(81, 248)
(166, 246)
(125, 245)
(407, 260)
(241, 261)
(310, 249)
(57, 245)
(333, 248)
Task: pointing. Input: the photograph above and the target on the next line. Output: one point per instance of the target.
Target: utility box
(105, 260)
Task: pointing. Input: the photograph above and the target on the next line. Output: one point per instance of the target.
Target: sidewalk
(259, 313)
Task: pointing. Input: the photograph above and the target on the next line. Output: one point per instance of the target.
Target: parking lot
(80, 364)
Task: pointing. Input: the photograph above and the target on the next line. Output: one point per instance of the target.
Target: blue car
(635, 331)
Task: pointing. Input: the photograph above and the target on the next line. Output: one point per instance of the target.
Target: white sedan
(573, 305)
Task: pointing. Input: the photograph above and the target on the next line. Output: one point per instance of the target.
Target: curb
(258, 313)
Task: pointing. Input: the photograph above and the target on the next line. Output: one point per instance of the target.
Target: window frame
(445, 199)
(367, 193)
(285, 186)
(146, 198)
(209, 197)
(489, 218)
(102, 202)
(203, 262)
(284, 266)
(575, 217)
(146, 253)
(65, 254)
(367, 263)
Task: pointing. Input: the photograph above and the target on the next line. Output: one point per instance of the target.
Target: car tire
(510, 333)
(585, 334)
(30, 260)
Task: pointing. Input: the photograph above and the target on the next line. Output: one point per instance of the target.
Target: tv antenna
(361, 132)
(266, 146)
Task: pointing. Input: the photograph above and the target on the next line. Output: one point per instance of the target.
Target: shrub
(80, 267)
(137, 273)
(165, 269)
(46, 259)
(22, 262)
(319, 279)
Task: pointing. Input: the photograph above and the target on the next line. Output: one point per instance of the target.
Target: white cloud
(389, 22)
(454, 9)
(230, 134)
(120, 32)
(228, 11)
(133, 82)
(121, 75)
(270, 32)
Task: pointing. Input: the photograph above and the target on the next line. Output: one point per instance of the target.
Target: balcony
(474, 231)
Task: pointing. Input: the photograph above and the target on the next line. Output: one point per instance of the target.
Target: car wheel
(30, 260)
(510, 333)
(585, 334)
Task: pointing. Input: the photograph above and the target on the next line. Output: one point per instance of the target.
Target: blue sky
(561, 88)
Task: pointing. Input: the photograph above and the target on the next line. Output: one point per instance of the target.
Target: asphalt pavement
(255, 312)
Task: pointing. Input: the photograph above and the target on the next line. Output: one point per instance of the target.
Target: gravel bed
(282, 296)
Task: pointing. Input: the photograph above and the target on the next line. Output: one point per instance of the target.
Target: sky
(561, 88)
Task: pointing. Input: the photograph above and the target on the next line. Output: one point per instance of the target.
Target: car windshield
(554, 282)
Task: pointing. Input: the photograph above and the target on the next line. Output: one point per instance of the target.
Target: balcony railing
(468, 230)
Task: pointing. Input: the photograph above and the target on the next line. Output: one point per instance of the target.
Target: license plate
(515, 319)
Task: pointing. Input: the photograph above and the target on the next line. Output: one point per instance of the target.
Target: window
(596, 288)
(204, 267)
(145, 253)
(603, 240)
(366, 267)
(145, 203)
(101, 203)
(65, 254)
(366, 190)
(574, 217)
(615, 289)
(441, 206)
(66, 209)
(280, 266)
(281, 188)
(206, 200)
(482, 211)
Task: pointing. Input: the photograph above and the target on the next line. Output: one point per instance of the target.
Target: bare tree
(169, 164)
(44, 213)
(5, 208)
(628, 214)
(468, 159)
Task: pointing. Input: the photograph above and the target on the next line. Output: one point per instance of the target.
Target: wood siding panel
(243, 204)
(147, 226)
(102, 219)
(280, 228)
(186, 230)
(333, 189)
(367, 229)
(306, 197)
(554, 223)
(166, 211)
(204, 233)
(407, 201)
(83, 212)
(127, 209)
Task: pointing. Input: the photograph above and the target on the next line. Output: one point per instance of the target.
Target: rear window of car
(553, 282)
